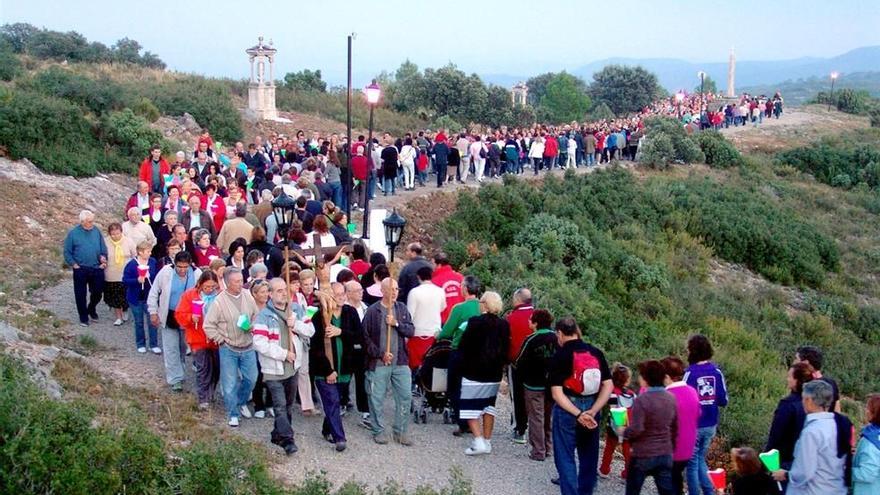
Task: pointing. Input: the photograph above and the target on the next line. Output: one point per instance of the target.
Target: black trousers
(518, 393)
(360, 392)
(282, 392)
(91, 279)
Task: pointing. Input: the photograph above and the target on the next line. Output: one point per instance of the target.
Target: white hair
(86, 215)
(181, 154)
(266, 195)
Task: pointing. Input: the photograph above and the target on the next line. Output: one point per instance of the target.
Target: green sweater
(461, 313)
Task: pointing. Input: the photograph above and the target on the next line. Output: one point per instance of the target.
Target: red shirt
(359, 167)
(518, 319)
(450, 281)
(146, 171)
(551, 146)
(359, 268)
(217, 209)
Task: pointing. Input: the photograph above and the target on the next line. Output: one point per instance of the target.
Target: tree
(564, 99)
(537, 87)
(126, 51)
(600, 111)
(709, 86)
(19, 35)
(625, 89)
(305, 80)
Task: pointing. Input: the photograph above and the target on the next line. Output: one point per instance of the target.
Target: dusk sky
(515, 37)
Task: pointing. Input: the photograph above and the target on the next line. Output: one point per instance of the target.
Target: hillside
(800, 91)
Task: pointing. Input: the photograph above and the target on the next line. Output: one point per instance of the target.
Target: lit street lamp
(283, 209)
(394, 225)
(373, 92)
(831, 98)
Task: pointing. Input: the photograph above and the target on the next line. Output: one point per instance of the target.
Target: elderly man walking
(387, 325)
(86, 253)
(228, 323)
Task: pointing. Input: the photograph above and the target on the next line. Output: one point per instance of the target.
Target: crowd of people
(199, 266)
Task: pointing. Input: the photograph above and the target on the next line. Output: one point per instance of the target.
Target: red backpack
(586, 376)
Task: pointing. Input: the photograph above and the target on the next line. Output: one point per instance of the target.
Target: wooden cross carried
(317, 252)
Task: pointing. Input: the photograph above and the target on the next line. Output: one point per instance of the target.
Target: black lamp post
(348, 181)
(394, 225)
(702, 76)
(831, 98)
(373, 91)
(283, 210)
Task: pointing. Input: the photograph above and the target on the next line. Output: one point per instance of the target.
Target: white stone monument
(261, 91)
(519, 94)
(731, 75)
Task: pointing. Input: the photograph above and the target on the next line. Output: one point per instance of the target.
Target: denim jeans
(400, 381)
(138, 314)
(336, 192)
(237, 392)
(388, 184)
(568, 436)
(283, 393)
(87, 278)
(207, 362)
(174, 352)
(660, 467)
(697, 470)
(591, 158)
(332, 425)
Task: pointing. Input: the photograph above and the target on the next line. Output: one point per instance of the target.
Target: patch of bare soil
(798, 126)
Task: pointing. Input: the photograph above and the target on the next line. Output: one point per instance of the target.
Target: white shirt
(425, 303)
(360, 308)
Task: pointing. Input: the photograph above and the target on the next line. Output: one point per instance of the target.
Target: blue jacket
(788, 421)
(708, 381)
(866, 465)
(135, 293)
(441, 154)
(84, 247)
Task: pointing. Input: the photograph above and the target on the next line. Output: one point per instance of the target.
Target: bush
(208, 101)
(10, 65)
(657, 151)
(554, 239)
(828, 160)
(842, 181)
(99, 96)
(719, 152)
(146, 109)
(684, 148)
(130, 133)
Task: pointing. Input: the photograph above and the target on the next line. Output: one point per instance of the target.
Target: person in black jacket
(440, 151)
(788, 419)
(531, 365)
(483, 349)
(331, 357)
(389, 166)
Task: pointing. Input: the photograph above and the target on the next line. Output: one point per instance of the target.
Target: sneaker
(365, 421)
(535, 457)
(381, 438)
(125, 316)
(403, 439)
(329, 438)
(245, 411)
(94, 316)
(156, 350)
(479, 446)
(260, 414)
(340, 446)
(142, 350)
(233, 421)
(555, 480)
(519, 438)
(84, 324)
(118, 322)
(290, 448)
(270, 411)
(177, 387)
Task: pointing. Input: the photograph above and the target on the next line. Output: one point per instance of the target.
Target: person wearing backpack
(580, 384)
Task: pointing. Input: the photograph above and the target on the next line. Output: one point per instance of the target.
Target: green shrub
(686, 150)
(843, 181)
(146, 109)
(208, 101)
(828, 160)
(130, 133)
(553, 239)
(657, 151)
(10, 65)
(719, 152)
(99, 96)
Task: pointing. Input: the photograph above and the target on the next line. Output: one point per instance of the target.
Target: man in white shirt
(354, 295)
(425, 303)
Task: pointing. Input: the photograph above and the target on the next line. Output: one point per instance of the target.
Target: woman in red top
(190, 316)
(204, 251)
(215, 206)
(359, 264)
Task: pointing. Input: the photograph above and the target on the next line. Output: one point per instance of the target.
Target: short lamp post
(831, 98)
(372, 92)
(283, 210)
(394, 225)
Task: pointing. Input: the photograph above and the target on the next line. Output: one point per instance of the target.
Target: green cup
(618, 416)
(310, 312)
(770, 459)
(351, 228)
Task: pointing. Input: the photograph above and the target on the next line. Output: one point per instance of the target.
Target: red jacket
(359, 167)
(146, 172)
(551, 146)
(518, 319)
(217, 210)
(450, 281)
(194, 333)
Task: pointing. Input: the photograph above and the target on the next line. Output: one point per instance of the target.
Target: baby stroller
(430, 389)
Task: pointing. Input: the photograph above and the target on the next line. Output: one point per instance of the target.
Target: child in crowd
(621, 396)
(752, 478)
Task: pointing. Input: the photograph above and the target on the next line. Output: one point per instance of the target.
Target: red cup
(719, 478)
(143, 270)
(197, 307)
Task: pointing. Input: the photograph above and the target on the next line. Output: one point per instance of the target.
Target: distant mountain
(675, 74)
(799, 91)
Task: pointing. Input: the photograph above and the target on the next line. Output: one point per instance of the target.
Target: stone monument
(731, 74)
(519, 94)
(261, 91)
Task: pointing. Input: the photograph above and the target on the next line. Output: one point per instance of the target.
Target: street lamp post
(831, 98)
(373, 92)
(702, 76)
(350, 178)
(283, 209)
(394, 225)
